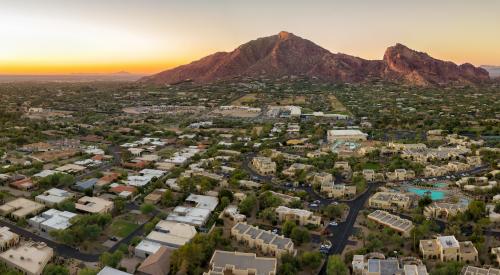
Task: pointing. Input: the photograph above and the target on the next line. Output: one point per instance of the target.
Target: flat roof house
(448, 248)
(390, 200)
(52, 219)
(21, 208)
(94, 205)
(264, 165)
(7, 238)
(29, 258)
(226, 262)
(302, 216)
(189, 215)
(85, 184)
(53, 196)
(157, 263)
(171, 234)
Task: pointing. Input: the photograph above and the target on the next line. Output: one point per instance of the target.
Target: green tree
(446, 268)
(147, 208)
(336, 266)
(311, 259)
(53, 269)
(247, 205)
(111, 259)
(87, 271)
(300, 235)
(287, 228)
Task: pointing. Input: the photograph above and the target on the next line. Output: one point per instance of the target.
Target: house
(339, 190)
(264, 166)
(296, 168)
(157, 263)
(249, 184)
(189, 215)
(94, 205)
(267, 242)
(29, 258)
(107, 178)
(7, 238)
(345, 135)
(447, 248)
(111, 271)
(390, 200)
(342, 166)
(85, 184)
(155, 196)
(226, 262)
(322, 178)
(52, 219)
(71, 168)
(400, 225)
(171, 234)
(21, 208)
(54, 196)
(301, 216)
(203, 202)
(369, 174)
(23, 184)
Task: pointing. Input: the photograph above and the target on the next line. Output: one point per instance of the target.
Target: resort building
(264, 166)
(53, 196)
(400, 175)
(322, 178)
(369, 174)
(342, 166)
(448, 248)
(21, 208)
(390, 200)
(7, 238)
(301, 216)
(400, 225)
(267, 242)
(29, 258)
(362, 265)
(94, 205)
(434, 171)
(339, 190)
(296, 168)
(226, 263)
(345, 135)
(443, 210)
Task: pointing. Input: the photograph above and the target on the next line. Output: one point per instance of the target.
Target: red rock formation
(287, 54)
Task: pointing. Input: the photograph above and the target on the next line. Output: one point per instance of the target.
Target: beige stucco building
(448, 248)
(264, 166)
(390, 200)
(29, 258)
(265, 241)
(300, 216)
(239, 263)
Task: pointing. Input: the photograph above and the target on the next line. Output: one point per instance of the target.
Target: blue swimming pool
(435, 195)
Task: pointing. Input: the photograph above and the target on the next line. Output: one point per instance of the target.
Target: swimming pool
(435, 195)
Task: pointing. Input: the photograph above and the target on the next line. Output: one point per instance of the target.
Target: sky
(148, 36)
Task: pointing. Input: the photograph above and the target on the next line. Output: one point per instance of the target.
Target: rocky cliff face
(287, 54)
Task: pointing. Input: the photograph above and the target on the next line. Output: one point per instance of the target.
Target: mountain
(287, 54)
(493, 70)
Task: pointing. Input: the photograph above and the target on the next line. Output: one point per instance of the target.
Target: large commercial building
(301, 216)
(345, 135)
(267, 242)
(226, 263)
(448, 248)
(29, 258)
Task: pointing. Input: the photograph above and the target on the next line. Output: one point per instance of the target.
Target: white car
(333, 224)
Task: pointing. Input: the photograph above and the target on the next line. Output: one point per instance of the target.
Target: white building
(52, 219)
(345, 135)
(53, 196)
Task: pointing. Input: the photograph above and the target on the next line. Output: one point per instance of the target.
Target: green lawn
(122, 228)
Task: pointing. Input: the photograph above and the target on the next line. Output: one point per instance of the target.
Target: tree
(224, 202)
(300, 235)
(268, 214)
(424, 201)
(333, 211)
(311, 259)
(336, 266)
(167, 198)
(287, 228)
(53, 269)
(247, 205)
(476, 211)
(446, 268)
(147, 208)
(87, 271)
(111, 259)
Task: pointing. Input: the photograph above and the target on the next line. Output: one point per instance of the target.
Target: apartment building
(435, 171)
(296, 168)
(300, 216)
(400, 225)
(374, 266)
(339, 190)
(448, 248)
(390, 200)
(322, 178)
(265, 241)
(226, 262)
(264, 166)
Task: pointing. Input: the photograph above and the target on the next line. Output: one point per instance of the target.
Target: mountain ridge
(287, 54)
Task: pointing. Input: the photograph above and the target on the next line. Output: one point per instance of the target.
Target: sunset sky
(147, 36)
